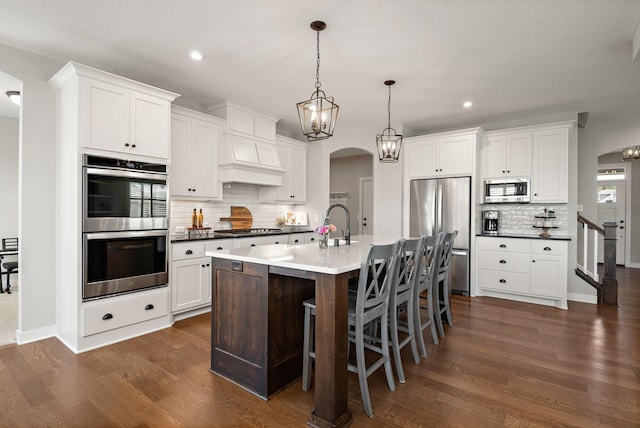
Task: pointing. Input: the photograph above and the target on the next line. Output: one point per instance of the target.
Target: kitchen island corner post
(331, 351)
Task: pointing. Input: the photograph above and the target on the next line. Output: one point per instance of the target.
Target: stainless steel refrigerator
(444, 205)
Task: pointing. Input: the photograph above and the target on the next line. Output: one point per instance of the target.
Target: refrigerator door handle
(459, 253)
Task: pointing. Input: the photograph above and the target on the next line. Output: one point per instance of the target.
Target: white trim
(583, 298)
(35, 335)
(633, 265)
(192, 313)
(362, 180)
(627, 209)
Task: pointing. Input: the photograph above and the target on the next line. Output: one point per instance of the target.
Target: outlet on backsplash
(236, 194)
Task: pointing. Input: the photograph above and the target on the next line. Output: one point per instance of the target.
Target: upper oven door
(123, 200)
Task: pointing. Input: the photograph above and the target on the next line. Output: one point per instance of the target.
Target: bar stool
(424, 298)
(442, 291)
(370, 303)
(9, 244)
(401, 301)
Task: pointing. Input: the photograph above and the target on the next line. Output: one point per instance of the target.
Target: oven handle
(126, 174)
(127, 234)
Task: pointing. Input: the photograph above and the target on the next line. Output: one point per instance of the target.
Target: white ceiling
(513, 58)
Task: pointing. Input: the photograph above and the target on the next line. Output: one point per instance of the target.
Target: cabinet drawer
(220, 244)
(512, 245)
(551, 248)
(191, 250)
(504, 281)
(507, 262)
(121, 311)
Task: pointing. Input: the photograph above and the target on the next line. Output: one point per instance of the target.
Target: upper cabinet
(117, 114)
(444, 154)
(506, 155)
(293, 158)
(195, 145)
(550, 165)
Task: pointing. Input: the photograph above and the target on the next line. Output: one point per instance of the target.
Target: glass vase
(323, 241)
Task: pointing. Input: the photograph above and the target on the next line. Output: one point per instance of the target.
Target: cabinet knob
(503, 171)
(188, 190)
(508, 171)
(208, 264)
(503, 281)
(193, 190)
(533, 261)
(126, 144)
(148, 307)
(202, 265)
(312, 239)
(133, 145)
(503, 261)
(107, 317)
(535, 194)
(503, 246)
(547, 249)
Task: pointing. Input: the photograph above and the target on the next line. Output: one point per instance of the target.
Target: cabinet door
(298, 175)
(107, 117)
(550, 162)
(546, 276)
(149, 125)
(181, 172)
(205, 143)
(494, 154)
(186, 283)
(455, 155)
(518, 154)
(421, 159)
(283, 193)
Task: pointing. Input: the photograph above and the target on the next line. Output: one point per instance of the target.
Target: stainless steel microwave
(507, 190)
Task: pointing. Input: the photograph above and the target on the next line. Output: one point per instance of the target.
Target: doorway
(9, 147)
(348, 167)
(612, 207)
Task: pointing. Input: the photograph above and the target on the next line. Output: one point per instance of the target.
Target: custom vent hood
(248, 151)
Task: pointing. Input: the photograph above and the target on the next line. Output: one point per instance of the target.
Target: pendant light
(631, 153)
(389, 142)
(14, 96)
(318, 114)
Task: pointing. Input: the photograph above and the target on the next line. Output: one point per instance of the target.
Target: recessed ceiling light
(467, 104)
(196, 56)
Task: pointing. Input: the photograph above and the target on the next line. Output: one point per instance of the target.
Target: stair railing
(588, 269)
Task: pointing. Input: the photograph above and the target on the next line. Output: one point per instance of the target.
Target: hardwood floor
(503, 364)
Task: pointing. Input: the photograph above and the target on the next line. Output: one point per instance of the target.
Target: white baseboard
(29, 336)
(633, 265)
(583, 298)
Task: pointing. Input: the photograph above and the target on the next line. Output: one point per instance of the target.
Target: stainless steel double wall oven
(125, 226)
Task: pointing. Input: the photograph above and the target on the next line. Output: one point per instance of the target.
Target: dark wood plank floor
(502, 364)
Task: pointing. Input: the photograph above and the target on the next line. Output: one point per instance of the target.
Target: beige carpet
(9, 313)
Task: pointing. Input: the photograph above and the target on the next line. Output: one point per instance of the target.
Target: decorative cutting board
(240, 218)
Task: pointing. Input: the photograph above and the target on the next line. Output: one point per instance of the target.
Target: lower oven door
(120, 262)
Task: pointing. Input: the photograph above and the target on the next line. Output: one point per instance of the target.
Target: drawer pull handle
(148, 307)
(503, 246)
(253, 245)
(296, 241)
(107, 317)
(503, 261)
(219, 248)
(277, 242)
(503, 281)
(547, 249)
(188, 252)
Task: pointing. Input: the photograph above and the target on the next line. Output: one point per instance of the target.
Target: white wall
(345, 177)
(9, 176)
(36, 205)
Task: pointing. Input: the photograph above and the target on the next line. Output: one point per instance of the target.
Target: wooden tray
(240, 218)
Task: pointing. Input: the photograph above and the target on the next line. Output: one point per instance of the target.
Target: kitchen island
(257, 318)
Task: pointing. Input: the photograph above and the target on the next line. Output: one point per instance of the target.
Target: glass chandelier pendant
(389, 142)
(318, 115)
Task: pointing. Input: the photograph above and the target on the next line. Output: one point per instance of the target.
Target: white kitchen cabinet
(190, 276)
(220, 244)
(245, 122)
(116, 118)
(529, 270)
(550, 165)
(254, 241)
(195, 142)
(293, 159)
(506, 155)
(445, 154)
(548, 269)
(302, 238)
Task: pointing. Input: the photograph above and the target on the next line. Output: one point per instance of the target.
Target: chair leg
(395, 343)
(431, 314)
(447, 305)
(362, 372)
(385, 353)
(412, 331)
(308, 340)
(437, 308)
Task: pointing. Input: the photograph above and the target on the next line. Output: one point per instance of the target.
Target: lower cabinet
(190, 277)
(529, 270)
(302, 238)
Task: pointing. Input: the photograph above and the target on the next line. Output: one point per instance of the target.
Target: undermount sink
(340, 242)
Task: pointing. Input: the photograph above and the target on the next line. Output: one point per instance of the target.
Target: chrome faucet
(347, 236)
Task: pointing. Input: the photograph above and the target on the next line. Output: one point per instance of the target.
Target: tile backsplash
(236, 194)
(520, 218)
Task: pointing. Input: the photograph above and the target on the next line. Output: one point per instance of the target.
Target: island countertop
(309, 257)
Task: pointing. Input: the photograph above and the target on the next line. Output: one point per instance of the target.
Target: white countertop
(309, 257)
